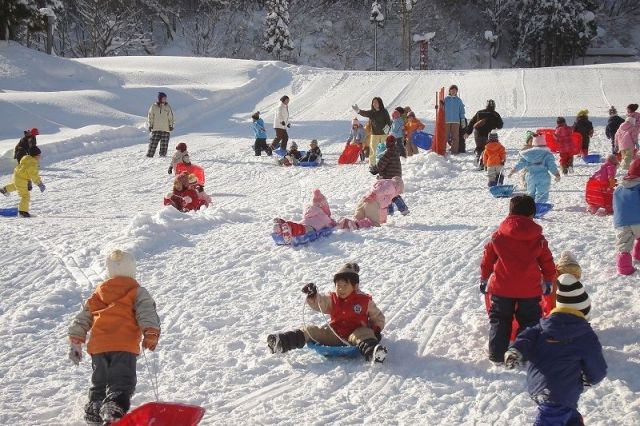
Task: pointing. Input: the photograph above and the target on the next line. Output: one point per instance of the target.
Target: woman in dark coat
(380, 124)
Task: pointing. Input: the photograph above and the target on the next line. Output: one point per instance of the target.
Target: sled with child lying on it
(301, 239)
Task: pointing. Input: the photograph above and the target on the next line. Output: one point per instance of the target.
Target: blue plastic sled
(422, 140)
(335, 351)
(310, 163)
(280, 152)
(502, 191)
(303, 239)
(542, 209)
(592, 158)
(10, 212)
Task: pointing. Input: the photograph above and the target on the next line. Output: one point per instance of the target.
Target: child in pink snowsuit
(372, 208)
(316, 216)
(625, 142)
(607, 172)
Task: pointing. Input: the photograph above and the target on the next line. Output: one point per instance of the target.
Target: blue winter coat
(560, 349)
(538, 161)
(357, 135)
(626, 203)
(453, 109)
(258, 129)
(397, 128)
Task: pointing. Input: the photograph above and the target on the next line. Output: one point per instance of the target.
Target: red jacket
(350, 313)
(563, 135)
(516, 259)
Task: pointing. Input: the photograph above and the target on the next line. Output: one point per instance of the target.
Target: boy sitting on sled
(355, 319)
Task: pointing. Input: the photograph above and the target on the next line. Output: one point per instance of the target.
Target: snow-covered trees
(552, 32)
(276, 34)
(21, 17)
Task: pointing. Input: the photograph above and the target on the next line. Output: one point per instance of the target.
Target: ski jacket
(517, 259)
(411, 126)
(179, 200)
(612, 126)
(313, 154)
(161, 117)
(494, 154)
(560, 349)
(28, 169)
(397, 129)
(626, 203)
(179, 157)
(22, 148)
(624, 136)
(117, 313)
(317, 218)
(357, 135)
(281, 115)
(563, 136)
(374, 204)
(483, 122)
(606, 173)
(355, 311)
(537, 160)
(453, 109)
(389, 164)
(258, 129)
(378, 120)
(583, 126)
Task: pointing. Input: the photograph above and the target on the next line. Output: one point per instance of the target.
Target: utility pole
(406, 6)
(377, 19)
(51, 20)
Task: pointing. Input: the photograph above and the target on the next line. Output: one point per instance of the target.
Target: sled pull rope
(153, 376)
(327, 322)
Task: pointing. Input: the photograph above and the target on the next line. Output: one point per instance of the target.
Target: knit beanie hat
(294, 145)
(571, 294)
(613, 110)
(493, 137)
(539, 141)
(314, 142)
(567, 264)
(634, 170)
(121, 264)
(348, 272)
(34, 151)
(161, 95)
(34, 132)
(256, 115)
(355, 122)
(583, 112)
(182, 147)
(522, 205)
(319, 200)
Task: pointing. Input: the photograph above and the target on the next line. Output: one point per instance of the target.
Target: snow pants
(566, 161)
(402, 151)
(22, 187)
(626, 237)
(494, 173)
(374, 141)
(501, 312)
(261, 145)
(481, 142)
(113, 379)
(538, 185)
(555, 415)
(158, 137)
(369, 210)
(281, 139)
(453, 136)
(410, 147)
(325, 336)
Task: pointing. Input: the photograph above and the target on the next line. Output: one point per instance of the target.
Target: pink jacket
(606, 172)
(317, 218)
(635, 131)
(563, 135)
(383, 191)
(624, 136)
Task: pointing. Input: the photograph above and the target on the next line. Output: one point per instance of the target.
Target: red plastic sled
(599, 195)
(163, 414)
(552, 143)
(191, 168)
(350, 154)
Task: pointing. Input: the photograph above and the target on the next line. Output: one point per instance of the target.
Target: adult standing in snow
(161, 122)
(380, 124)
(26, 142)
(281, 124)
(482, 123)
(453, 116)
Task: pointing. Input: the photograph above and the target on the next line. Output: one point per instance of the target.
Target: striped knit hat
(571, 294)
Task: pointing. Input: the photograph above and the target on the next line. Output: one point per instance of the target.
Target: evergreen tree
(22, 14)
(276, 35)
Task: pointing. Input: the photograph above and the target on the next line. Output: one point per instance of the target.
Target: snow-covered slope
(220, 283)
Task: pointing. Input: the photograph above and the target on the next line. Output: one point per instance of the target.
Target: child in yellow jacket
(118, 314)
(26, 171)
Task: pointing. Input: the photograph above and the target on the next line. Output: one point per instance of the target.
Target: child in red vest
(355, 319)
(516, 269)
(565, 145)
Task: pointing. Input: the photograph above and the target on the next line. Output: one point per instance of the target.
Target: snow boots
(92, 413)
(284, 342)
(625, 263)
(4, 192)
(24, 214)
(111, 412)
(372, 351)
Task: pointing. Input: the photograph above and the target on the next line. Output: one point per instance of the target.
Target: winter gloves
(283, 123)
(75, 349)
(150, 340)
(42, 187)
(171, 128)
(546, 288)
(310, 290)
(355, 107)
(512, 358)
(483, 286)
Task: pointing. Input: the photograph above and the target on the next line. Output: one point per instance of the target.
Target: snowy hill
(220, 283)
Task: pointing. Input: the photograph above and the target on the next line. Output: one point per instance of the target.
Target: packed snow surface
(220, 283)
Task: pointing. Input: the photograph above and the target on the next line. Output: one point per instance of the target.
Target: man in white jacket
(281, 124)
(160, 124)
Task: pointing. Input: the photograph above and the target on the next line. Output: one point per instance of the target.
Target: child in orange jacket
(118, 314)
(410, 127)
(493, 158)
(355, 319)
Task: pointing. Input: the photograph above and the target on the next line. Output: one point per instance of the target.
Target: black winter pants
(501, 313)
(113, 378)
(261, 145)
(481, 142)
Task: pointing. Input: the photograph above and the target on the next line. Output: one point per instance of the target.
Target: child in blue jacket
(626, 219)
(397, 130)
(261, 135)
(539, 162)
(564, 356)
